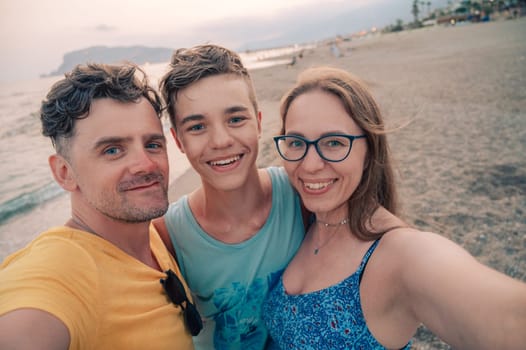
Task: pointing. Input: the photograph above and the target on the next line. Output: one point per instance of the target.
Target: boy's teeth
(225, 161)
(317, 185)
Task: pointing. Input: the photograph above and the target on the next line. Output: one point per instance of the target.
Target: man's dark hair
(70, 99)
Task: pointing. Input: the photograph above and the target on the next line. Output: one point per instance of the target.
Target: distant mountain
(103, 54)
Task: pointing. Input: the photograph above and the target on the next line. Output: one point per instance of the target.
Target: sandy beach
(455, 98)
(459, 94)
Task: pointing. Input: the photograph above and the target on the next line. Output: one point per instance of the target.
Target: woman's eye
(335, 143)
(296, 144)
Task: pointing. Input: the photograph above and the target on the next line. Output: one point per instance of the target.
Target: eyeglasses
(175, 291)
(332, 148)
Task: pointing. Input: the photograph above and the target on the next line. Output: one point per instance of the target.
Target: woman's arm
(465, 303)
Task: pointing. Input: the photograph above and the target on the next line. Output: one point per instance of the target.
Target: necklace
(326, 225)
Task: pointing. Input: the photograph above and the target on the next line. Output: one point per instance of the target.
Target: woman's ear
(62, 172)
(259, 118)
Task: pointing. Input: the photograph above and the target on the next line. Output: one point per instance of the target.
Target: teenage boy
(235, 234)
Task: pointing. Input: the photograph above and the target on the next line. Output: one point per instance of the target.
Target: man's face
(119, 162)
(218, 130)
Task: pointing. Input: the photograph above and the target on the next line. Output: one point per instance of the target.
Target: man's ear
(176, 138)
(62, 172)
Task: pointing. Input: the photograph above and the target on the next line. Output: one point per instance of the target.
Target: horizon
(32, 47)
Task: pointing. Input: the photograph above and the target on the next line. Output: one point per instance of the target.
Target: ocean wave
(28, 201)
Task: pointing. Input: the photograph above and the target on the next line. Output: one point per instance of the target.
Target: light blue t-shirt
(229, 282)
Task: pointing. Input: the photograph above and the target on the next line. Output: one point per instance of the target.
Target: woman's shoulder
(413, 239)
(415, 255)
(410, 242)
(402, 236)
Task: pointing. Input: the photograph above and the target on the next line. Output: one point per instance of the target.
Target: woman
(362, 277)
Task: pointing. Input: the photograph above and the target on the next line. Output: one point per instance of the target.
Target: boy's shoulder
(273, 173)
(269, 177)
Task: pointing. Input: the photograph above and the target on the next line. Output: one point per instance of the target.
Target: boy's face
(218, 130)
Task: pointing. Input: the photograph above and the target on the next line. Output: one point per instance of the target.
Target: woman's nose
(312, 160)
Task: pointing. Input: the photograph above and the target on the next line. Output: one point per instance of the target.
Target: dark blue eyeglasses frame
(308, 142)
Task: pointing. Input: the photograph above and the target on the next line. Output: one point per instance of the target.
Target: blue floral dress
(331, 318)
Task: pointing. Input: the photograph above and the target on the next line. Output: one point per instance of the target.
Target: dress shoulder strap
(366, 257)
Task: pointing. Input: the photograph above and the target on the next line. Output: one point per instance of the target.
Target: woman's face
(324, 186)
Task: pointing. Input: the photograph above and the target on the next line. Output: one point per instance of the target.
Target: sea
(26, 183)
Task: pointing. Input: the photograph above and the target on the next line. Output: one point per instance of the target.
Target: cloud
(105, 28)
(304, 24)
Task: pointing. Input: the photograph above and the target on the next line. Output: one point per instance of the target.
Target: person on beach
(233, 235)
(363, 278)
(104, 280)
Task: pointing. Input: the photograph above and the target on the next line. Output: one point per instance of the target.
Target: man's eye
(154, 145)
(111, 151)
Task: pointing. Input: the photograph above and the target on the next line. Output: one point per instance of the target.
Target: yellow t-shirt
(106, 298)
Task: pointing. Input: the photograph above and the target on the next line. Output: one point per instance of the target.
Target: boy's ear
(176, 138)
(62, 172)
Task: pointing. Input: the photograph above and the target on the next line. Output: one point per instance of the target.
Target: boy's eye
(196, 127)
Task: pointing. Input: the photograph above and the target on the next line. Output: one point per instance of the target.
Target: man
(94, 283)
(235, 234)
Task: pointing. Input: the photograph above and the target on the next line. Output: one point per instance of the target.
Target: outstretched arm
(464, 302)
(32, 329)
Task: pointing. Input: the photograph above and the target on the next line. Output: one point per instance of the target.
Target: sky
(34, 35)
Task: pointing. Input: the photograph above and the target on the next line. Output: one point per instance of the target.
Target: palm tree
(449, 5)
(476, 6)
(415, 11)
